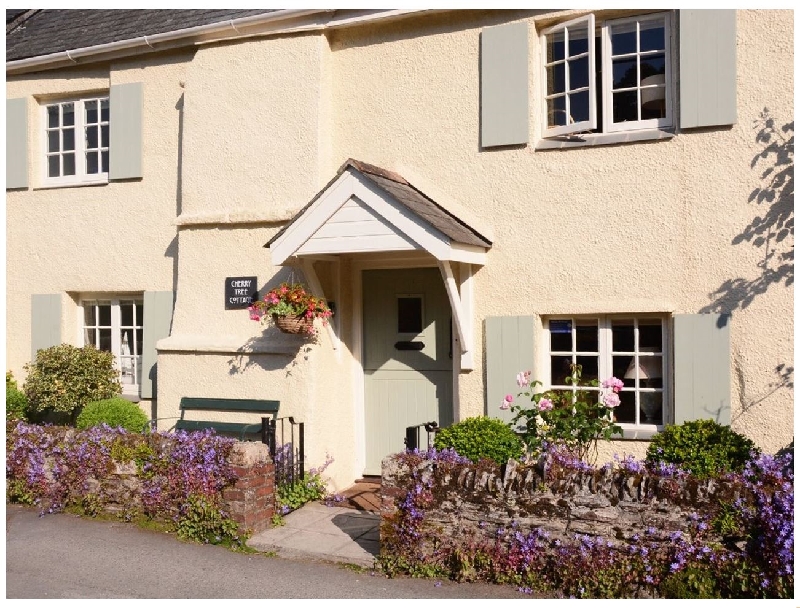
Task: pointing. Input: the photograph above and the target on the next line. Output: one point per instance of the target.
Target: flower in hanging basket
(292, 308)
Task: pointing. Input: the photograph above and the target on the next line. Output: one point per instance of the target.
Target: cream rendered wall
(620, 228)
(256, 122)
(118, 237)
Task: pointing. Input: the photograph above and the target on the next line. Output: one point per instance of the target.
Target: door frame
(395, 262)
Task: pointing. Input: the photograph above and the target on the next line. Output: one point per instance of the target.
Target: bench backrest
(264, 406)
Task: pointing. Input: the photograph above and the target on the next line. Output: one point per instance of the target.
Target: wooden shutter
(509, 350)
(16, 143)
(45, 322)
(504, 85)
(157, 322)
(707, 67)
(125, 123)
(702, 368)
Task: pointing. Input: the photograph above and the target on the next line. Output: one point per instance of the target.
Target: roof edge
(273, 23)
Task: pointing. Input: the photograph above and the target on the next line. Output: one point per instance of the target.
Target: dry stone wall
(469, 501)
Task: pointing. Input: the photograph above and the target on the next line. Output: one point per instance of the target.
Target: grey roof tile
(53, 31)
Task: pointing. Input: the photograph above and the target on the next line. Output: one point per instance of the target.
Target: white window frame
(81, 177)
(131, 389)
(637, 429)
(608, 126)
(586, 125)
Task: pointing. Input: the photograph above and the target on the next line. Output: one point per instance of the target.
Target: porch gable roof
(368, 208)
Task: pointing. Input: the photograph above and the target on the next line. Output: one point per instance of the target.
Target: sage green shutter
(45, 322)
(702, 368)
(509, 350)
(504, 85)
(707, 67)
(125, 123)
(157, 322)
(16, 143)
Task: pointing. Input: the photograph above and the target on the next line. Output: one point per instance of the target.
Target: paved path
(63, 556)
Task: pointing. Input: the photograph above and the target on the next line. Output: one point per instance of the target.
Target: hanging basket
(293, 325)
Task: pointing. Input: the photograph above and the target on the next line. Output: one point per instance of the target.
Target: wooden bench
(267, 408)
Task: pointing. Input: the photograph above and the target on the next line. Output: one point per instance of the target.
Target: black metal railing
(412, 439)
(286, 441)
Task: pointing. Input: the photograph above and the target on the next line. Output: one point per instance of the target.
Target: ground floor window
(632, 348)
(115, 325)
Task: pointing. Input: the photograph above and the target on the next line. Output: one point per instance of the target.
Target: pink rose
(614, 384)
(611, 400)
(545, 405)
(523, 378)
(506, 402)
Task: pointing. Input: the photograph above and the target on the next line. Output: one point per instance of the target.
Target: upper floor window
(116, 325)
(633, 349)
(618, 77)
(76, 141)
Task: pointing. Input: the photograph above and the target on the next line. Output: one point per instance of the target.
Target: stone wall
(469, 501)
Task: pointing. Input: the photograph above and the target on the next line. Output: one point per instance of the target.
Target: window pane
(91, 163)
(651, 36)
(589, 367)
(625, 106)
(650, 335)
(579, 106)
(91, 112)
(409, 315)
(559, 368)
(623, 39)
(650, 66)
(621, 368)
(91, 137)
(126, 342)
(560, 336)
(650, 404)
(138, 349)
(69, 139)
(53, 166)
(626, 410)
(126, 314)
(89, 317)
(105, 340)
(104, 136)
(624, 72)
(53, 141)
(651, 372)
(138, 362)
(555, 47)
(622, 336)
(104, 110)
(105, 315)
(68, 115)
(578, 40)
(104, 157)
(556, 112)
(89, 337)
(69, 164)
(555, 79)
(586, 336)
(52, 116)
(579, 73)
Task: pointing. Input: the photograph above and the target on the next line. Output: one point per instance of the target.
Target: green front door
(408, 365)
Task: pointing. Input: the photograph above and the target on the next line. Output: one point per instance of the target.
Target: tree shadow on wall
(772, 232)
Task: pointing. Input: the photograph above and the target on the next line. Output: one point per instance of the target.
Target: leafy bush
(289, 495)
(702, 447)
(64, 378)
(16, 402)
(114, 412)
(481, 437)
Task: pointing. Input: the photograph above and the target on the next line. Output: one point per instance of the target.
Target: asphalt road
(64, 556)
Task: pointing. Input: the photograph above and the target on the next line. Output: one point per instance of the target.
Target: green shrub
(703, 447)
(64, 378)
(16, 402)
(481, 437)
(693, 583)
(114, 412)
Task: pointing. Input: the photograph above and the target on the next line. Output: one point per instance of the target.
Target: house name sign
(240, 292)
